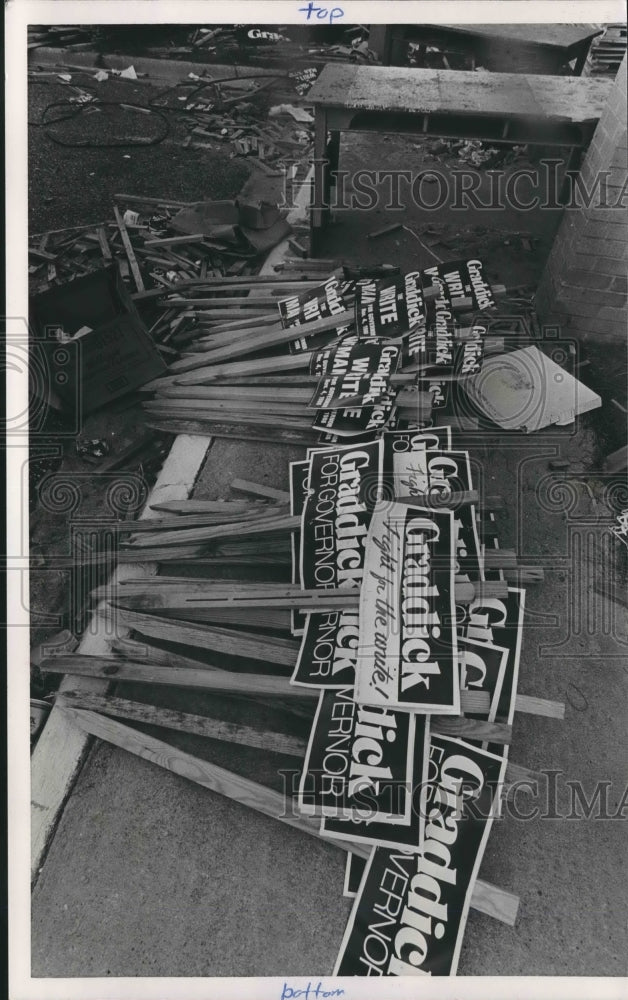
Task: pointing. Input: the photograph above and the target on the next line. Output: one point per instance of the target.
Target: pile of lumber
(397, 643)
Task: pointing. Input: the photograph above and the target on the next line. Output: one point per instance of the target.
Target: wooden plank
(226, 641)
(270, 525)
(260, 490)
(105, 249)
(200, 372)
(199, 725)
(135, 271)
(61, 747)
(496, 903)
(569, 100)
(200, 596)
(206, 679)
(214, 413)
(249, 793)
(540, 706)
(241, 432)
(208, 506)
(138, 652)
(475, 729)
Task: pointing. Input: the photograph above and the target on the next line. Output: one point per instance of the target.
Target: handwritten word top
(315, 13)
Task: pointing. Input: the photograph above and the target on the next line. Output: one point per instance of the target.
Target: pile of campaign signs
(348, 357)
(392, 520)
(400, 631)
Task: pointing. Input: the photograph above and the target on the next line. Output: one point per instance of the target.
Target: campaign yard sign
(344, 485)
(364, 827)
(407, 655)
(390, 307)
(356, 374)
(327, 299)
(440, 474)
(464, 279)
(410, 913)
(358, 757)
(299, 484)
(498, 621)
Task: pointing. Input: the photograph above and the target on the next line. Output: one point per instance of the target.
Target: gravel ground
(68, 186)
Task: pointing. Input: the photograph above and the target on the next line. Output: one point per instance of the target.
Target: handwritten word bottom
(309, 992)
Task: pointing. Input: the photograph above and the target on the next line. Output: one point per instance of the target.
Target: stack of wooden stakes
(240, 376)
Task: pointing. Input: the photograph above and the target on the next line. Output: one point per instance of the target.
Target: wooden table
(493, 107)
(557, 44)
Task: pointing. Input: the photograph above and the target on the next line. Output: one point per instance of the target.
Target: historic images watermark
(524, 189)
(548, 794)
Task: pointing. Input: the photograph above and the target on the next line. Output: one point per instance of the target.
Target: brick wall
(583, 286)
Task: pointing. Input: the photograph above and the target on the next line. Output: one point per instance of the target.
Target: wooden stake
(135, 271)
(270, 525)
(260, 490)
(198, 725)
(499, 904)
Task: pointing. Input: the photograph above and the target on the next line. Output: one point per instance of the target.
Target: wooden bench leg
(321, 179)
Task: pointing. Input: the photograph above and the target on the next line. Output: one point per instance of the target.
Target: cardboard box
(118, 354)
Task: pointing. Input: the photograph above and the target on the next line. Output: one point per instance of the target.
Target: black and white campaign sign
(439, 474)
(469, 353)
(390, 307)
(403, 442)
(465, 280)
(407, 656)
(357, 374)
(356, 756)
(498, 621)
(351, 422)
(432, 346)
(328, 649)
(344, 484)
(410, 913)
(312, 304)
(363, 826)
(299, 485)
(439, 390)
(354, 870)
(482, 668)
(343, 491)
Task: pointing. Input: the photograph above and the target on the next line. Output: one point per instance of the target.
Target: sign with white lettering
(493, 621)
(407, 656)
(310, 305)
(404, 442)
(389, 307)
(358, 758)
(410, 914)
(357, 374)
(299, 479)
(364, 827)
(356, 422)
(344, 486)
(465, 279)
(439, 474)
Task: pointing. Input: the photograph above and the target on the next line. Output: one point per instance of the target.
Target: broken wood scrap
(135, 271)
